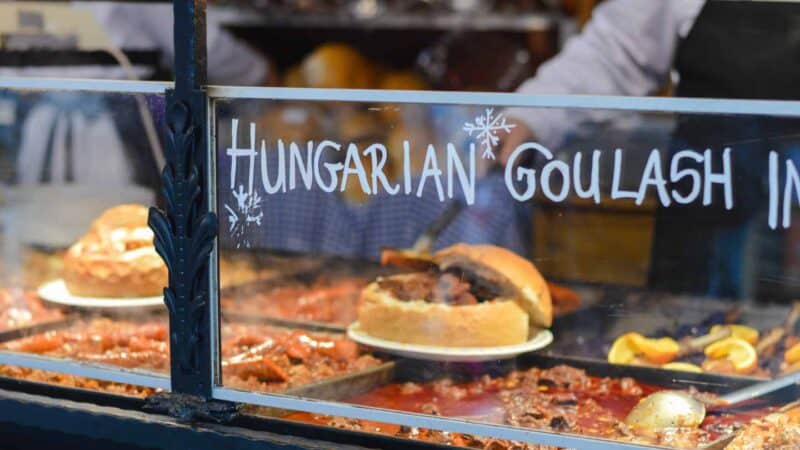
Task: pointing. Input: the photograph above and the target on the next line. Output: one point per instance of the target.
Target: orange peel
(792, 354)
(749, 334)
(631, 347)
(682, 366)
(736, 350)
(657, 351)
(623, 351)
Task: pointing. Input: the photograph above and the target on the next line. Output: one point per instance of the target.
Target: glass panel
(665, 241)
(79, 276)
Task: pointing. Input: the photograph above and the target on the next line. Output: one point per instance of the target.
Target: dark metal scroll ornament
(185, 232)
(191, 408)
(184, 237)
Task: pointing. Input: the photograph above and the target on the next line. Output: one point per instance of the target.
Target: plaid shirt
(314, 221)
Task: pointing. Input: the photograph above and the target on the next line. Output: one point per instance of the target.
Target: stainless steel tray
(36, 328)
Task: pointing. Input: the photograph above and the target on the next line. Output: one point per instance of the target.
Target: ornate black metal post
(185, 232)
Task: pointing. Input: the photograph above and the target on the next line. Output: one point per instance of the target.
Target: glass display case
(401, 268)
(641, 246)
(81, 163)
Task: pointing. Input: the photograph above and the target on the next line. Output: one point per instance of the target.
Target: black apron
(743, 50)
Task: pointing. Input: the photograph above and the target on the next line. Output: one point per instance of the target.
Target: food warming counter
(352, 268)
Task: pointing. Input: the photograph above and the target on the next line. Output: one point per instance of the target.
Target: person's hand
(519, 134)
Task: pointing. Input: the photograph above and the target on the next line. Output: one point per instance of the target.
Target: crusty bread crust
(121, 216)
(110, 276)
(515, 275)
(116, 259)
(488, 324)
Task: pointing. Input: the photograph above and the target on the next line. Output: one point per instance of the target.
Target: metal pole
(186, 231)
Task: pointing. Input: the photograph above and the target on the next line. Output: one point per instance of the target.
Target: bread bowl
(476, 296)
(116, 258)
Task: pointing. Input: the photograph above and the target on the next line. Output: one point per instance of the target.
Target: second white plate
(538, 340)
(56, 292)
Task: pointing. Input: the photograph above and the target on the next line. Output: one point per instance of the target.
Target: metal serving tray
(336, 388)
(282, 263)
(651, 312)
(284, 323)
(227, 314)
(589, 332)
(709, 382)
(330, 267)
(69, 392)
(99, 397)
(343, 385)
(36, 328)
(351, 385)
(333, 268)
(404, 370)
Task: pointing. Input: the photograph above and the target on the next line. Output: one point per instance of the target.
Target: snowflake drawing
(247, 214)
(487, 128)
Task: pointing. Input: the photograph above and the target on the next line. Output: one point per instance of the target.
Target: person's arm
(626, 49)
(149, 26)
(232, 61)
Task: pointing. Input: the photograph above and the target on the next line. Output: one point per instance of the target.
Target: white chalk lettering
(353, 166)
(652, 176)
(298, 163)
(333, 168)
(454, 164)
(593, 191)
(235, 152)
(431, 169)
(288, 165)
(529, 175)
(547, 187)
(378, 175)
(773, 190)
(406, 167)
(792, 186)
(676, 174)
(280, 179)
(723, 178)
(616, 192)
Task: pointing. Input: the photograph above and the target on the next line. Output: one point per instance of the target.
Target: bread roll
(116, 258)
(514, 275)
(336, 65)
(494, 323)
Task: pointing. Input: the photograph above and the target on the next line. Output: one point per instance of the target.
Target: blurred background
(452, 45)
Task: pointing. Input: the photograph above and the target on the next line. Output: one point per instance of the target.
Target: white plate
(57, 292)
(538, 340)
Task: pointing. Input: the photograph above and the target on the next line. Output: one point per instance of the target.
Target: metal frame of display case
(479, 21)
(78, 368)
(186, 237)
(775, 108)
(642, 104)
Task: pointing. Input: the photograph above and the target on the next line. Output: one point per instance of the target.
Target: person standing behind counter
(86, 118)
(717, 48)
(75, 154)
(139, 26)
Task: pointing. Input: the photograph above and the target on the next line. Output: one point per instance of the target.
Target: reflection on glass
(661, 244)
(79, 171)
